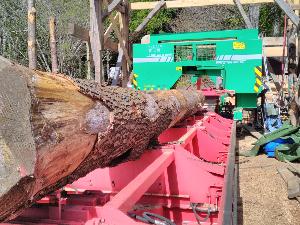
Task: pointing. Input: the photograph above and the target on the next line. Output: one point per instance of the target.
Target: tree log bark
(54, 130)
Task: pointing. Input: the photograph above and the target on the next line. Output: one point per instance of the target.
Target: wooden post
(89, 60)
(124, 28)
(53, 49)
(32, 56)
(254, 15)
(96, 37)
(293, 66)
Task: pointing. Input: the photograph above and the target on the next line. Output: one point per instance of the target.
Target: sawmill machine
(230, 59)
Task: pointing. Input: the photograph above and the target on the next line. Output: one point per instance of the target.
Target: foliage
(71, 52)
(158, 23)
(13, 33)
(270, 14)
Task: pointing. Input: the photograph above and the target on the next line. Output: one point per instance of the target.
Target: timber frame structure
(97, 39)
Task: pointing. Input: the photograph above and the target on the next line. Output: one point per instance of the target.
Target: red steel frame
(194, 163)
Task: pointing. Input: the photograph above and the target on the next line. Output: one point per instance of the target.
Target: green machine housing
(229, 56)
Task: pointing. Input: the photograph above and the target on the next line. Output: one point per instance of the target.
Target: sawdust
(262, 192)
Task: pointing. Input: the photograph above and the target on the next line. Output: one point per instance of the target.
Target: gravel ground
(262, 192)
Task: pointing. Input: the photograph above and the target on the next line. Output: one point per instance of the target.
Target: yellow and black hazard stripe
(258, 78)
(134, 81)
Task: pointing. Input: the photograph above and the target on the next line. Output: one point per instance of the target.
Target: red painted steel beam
(126, 198)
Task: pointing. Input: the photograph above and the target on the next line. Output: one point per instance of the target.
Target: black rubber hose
(163, 220)
(196, 210)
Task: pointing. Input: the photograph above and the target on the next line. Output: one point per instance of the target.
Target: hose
(151, 218)
(195, 209)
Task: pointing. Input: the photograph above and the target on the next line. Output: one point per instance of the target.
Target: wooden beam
(121, 40)
(96, 37)
(274, 51)
(192, 3)
(83, 34)
(110, 28)
(111, 7)
(243, 14)
(273, 41)
(153, 12)
(288, 10)
(296, 6)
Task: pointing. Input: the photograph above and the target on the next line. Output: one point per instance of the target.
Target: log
(54, 130)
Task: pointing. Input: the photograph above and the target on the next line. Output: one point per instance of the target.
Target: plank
(293, 166)
(192, 3)
(243, 14)
(274, 51)
(292, 182)
(273, 41)
(252, 131)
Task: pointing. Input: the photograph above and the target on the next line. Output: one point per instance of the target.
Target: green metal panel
(246, 100)
(213, 35)
(238, 114)
(232, 55)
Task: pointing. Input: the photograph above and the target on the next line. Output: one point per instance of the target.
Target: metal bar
(137, 187)
(228, 210)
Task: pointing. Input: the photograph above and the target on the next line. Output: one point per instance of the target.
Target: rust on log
(54, 130)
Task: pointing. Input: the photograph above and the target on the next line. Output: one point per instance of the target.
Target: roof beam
(288, 10)
(111, 7)
(192, 3)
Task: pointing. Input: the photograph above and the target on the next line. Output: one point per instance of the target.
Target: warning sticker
(238, 45)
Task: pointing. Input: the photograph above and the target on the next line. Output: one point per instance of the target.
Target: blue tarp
(271, 146)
